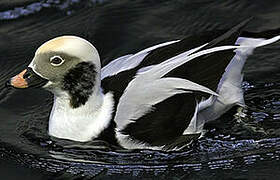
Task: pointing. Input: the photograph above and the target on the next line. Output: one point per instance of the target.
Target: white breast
(83, 123)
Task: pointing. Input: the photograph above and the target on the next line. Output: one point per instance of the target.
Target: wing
(155, 109)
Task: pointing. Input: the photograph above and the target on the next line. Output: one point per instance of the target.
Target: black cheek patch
(79, 83)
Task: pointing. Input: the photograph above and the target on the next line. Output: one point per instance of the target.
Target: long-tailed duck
(150, 99)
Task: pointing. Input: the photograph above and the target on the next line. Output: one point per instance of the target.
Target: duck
(152, 99)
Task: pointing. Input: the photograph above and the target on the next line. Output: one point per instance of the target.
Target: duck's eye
(56, 60)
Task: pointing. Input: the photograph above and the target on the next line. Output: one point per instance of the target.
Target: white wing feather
(115, 66)
(128, 61)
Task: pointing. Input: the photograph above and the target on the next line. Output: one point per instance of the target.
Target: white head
(64, 64)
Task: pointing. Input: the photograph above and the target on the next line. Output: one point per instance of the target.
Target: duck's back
(166, 121)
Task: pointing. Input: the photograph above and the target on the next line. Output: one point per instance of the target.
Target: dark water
(245, 146)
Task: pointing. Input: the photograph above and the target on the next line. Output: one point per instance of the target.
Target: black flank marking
(79, 82)
(166, 123)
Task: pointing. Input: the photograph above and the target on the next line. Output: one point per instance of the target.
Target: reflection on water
(239, 145)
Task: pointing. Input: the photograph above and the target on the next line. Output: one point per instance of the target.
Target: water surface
(235, 146)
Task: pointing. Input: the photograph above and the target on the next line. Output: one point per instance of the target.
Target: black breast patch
(79, 82)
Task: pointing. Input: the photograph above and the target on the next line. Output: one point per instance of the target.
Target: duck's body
(147, 100)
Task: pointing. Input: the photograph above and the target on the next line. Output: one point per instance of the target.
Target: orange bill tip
(18, 81)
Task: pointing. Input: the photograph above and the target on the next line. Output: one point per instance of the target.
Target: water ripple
(44, 4)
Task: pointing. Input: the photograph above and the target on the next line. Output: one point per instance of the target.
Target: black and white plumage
(150, 99)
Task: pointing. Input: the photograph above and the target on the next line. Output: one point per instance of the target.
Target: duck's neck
(83, 123)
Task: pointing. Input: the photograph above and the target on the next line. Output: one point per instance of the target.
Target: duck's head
(66, 64)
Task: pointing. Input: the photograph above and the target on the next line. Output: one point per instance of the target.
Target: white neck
(83, 123)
